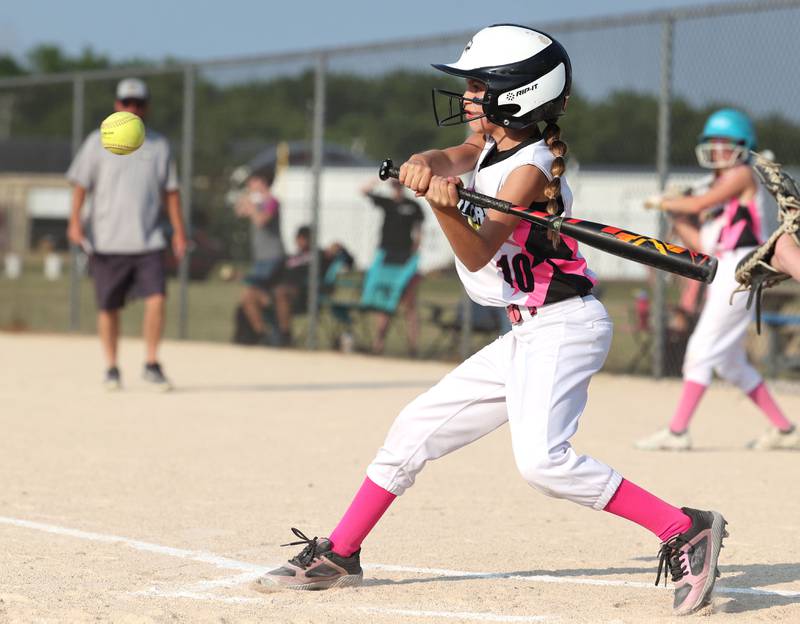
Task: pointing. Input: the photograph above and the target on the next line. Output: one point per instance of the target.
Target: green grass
(38, 305)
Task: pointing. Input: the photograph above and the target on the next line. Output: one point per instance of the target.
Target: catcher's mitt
(754, 272)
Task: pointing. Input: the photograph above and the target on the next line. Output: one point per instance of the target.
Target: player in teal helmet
(726, 219)
(727, 139)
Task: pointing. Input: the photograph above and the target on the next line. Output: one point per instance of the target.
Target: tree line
(376, 115)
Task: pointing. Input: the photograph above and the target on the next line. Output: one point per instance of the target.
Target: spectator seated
(381, 291)
(265, 313)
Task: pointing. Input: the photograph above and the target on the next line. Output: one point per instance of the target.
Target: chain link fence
(318, 123)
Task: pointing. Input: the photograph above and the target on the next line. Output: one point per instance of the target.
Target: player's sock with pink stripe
(690, 397)
(763, 399)
(369, 504)
(640, 506)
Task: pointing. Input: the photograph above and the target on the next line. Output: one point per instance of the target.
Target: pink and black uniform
(717, 344)
(535, 377)
(741, 225)
(527, 270)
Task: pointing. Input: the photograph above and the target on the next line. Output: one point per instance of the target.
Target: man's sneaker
(112, 380)
(665, 440)
(691, 559)
(774, 439)
(155, 376)
(316, 567)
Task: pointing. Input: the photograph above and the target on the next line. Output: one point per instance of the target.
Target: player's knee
(543, 471)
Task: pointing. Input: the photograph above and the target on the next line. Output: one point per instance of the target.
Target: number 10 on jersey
(518, 272)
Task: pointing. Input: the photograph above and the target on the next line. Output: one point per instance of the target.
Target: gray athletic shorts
(121, 277)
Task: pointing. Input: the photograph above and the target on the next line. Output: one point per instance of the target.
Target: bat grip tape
(388, 170)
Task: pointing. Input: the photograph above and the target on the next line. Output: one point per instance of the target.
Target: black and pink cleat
(317, 567)
(691, 559)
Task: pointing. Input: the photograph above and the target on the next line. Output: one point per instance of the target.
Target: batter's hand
(443, 192)
(416, 174)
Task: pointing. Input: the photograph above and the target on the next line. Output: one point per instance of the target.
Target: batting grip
(388, 170)
(614, 240)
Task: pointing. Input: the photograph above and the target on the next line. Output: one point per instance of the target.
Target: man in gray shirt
(121, 228)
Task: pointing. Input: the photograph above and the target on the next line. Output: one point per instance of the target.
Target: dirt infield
(141, 507)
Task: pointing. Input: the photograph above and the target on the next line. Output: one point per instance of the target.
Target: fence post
(187, 148)
(317, 148)
(662, 167)
(75, 265)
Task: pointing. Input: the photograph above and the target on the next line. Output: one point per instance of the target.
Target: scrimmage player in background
(535, 377)
(718, 341)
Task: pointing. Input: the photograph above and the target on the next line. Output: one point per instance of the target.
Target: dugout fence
(320, 121)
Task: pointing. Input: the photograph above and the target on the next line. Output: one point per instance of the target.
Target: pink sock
(761, 397)
(640, 506)
(369, 504)
(690, 397)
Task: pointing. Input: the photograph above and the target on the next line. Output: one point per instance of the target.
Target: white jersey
(526, 270)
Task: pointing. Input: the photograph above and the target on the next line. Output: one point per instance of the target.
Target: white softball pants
(536, 378)
(718, 341)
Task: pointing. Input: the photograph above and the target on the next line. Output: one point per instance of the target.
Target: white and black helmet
(527, 75)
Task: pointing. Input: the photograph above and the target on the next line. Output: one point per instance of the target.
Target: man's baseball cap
(132, 88)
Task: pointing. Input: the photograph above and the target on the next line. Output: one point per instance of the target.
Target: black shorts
(120, 277)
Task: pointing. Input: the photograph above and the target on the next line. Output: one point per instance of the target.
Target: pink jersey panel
(733, 233)
(543, 271)
(577, 265)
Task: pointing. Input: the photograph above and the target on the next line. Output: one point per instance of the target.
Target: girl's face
(721, 150)
(476, 89)
(720, 153)
(257, 184)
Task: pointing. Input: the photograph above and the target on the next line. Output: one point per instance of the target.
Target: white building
(614, 197)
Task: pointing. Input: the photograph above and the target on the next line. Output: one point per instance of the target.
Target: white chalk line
(459, 615)
(252, 570)
(232, 581)
(181, 553)
(235, 580)
(199, 591)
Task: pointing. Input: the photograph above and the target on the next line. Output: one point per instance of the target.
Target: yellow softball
(122, 133)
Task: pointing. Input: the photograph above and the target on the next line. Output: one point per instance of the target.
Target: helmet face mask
(527, 74)
(454, 104)
(720, 153)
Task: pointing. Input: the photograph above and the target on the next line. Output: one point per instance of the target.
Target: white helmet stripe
(536, 93)
(501, 45)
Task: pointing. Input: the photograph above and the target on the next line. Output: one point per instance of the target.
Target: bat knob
(385, 172)
(712, 270)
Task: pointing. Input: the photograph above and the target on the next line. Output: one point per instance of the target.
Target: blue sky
(203, 29)
(739, 60)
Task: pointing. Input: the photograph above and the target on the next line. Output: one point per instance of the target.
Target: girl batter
(535, 377)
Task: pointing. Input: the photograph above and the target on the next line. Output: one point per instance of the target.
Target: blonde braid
(552, 190)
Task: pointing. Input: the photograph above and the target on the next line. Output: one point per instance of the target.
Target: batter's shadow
(750, 576)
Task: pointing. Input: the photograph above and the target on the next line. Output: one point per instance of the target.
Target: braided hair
(552, 190)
